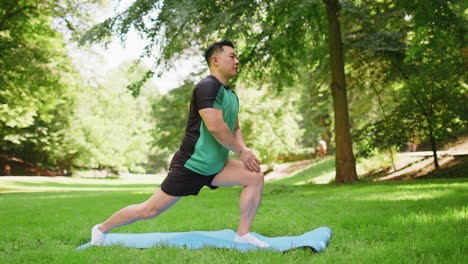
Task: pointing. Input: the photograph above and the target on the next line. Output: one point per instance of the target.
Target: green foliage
(37, 83)
(434, 89)
(111, 127)
(269, 121)
(272, 38)
(169, 118)
(375, 41)
(315, 106)
(417, 80)
(170, 112)
(48, 116)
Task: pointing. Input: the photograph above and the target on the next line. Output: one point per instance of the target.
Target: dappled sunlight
(430, 186)
(76, 180)
(17, 189)
(143, 192)
(52, 195)
(322, 179)
(449, 215)
(38, 195)
(414, 192)
(51, 184)
(59, 196)
(322, 172)
(402, 196)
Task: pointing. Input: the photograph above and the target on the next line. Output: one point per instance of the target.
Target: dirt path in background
(286, 169)
(411, 165)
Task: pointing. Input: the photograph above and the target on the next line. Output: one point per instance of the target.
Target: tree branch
(8, 15)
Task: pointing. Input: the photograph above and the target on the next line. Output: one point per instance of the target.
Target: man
(202, 160)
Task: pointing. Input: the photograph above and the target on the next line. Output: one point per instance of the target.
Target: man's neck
(220, 77)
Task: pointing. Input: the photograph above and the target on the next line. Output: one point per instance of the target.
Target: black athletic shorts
(181, 181)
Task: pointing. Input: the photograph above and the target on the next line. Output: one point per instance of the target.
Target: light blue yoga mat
(316, 239)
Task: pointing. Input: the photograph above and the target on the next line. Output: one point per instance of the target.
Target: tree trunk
(434, 147)
(344, 157)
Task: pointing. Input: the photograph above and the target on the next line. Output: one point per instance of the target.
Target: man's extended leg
(236, 174)
(154, 206)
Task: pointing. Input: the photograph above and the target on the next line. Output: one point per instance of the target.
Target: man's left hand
(249, 159)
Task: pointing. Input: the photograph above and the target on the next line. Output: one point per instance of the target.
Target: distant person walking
(413, 144)
(322, 148)
(202, 160)
(7, 169)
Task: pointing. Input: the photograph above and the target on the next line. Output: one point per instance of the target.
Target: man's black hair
(216, 47)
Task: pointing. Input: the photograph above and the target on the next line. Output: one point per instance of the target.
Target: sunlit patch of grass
(19, 189)
(47, 184)
(156, 179)
(445, 216)
(378, 160)
(74, 185)
(403, 197)
(322, 179)
(433, 184)
(322, 172)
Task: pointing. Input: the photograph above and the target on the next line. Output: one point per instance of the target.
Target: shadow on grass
(459, 169)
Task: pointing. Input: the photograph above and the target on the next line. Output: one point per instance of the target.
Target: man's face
(228, 63)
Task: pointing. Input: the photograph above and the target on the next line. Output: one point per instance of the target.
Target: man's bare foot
(250, 239)
(97, 237)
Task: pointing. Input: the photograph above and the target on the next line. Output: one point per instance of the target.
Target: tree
(345, 163)
(111, 128)
(374, 36)
(275, 39)
(36, 80)
(38, 84)
(426, 72)
(435, 71)
(270, 121)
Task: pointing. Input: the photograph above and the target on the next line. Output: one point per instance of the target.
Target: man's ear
(214, 60)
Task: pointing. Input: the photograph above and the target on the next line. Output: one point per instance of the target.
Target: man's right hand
(249, 159)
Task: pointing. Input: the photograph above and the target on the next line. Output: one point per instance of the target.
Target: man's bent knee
(258, 178)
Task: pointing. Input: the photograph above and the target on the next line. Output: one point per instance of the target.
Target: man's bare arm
(215, 124)
(238, 135)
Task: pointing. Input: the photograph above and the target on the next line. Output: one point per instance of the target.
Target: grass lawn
(419, 221)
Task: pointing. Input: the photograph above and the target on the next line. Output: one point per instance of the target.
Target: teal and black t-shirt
(200, 151)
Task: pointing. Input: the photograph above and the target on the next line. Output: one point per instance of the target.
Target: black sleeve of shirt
(206, 95)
